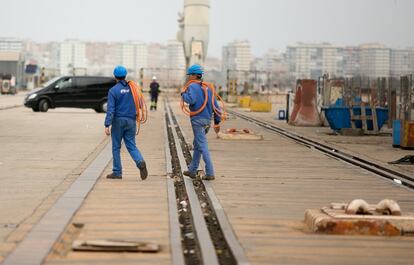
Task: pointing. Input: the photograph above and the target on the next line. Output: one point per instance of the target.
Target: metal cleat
(358, 206)
(388, 207)
(360, 218)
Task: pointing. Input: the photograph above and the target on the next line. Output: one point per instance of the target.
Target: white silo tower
(194, 30)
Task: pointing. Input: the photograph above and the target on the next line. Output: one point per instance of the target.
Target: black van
(71, 92)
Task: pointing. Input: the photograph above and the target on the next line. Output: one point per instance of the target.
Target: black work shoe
(189, 174)
(113, 176)
(143, 170)
(209, 178)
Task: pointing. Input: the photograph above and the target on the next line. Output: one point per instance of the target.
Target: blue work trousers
(123, 129)
(200, 129)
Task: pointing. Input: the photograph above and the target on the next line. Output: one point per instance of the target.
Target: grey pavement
(10, 101)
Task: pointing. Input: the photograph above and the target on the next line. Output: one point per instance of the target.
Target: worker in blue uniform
(200, 123)
(121, 117)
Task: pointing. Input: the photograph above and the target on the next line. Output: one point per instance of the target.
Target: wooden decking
(127, 209)
(266, 186)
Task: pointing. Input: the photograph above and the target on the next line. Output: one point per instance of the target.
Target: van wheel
(35, 109)
(44, 105)
(104, 106)
(98, 110)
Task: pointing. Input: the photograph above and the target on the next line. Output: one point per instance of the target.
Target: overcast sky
(265, 23)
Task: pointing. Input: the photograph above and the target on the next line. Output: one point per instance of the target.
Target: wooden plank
(175, 236)
(38, 243)
(265, 194)
(128, 209)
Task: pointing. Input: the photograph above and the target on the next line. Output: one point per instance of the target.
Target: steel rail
(208, 253)
(175, 236)
(227, 230)
(390, 174)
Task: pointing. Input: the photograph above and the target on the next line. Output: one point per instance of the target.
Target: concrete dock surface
(264, 187)
(12, 101)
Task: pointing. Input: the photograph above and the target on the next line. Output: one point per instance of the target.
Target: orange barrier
(305, 111)
(296, 102)
(140, 106)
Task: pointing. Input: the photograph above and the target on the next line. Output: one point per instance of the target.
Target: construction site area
(286, 191)
(107, 148)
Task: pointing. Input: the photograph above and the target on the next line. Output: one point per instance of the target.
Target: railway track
(384, 172)
(200, 232)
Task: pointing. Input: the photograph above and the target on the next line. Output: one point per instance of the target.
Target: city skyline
(273, 24)
(273, 69)
(282, 50)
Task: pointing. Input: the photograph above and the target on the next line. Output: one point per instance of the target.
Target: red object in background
(305, 111)
(296, 102)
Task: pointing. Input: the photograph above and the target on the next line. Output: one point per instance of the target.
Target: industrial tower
(194, 30)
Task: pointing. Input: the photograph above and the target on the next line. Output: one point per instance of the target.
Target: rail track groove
(388, 173)
(206, 234)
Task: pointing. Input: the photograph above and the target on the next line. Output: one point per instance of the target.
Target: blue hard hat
(195, 69)
(120, 71)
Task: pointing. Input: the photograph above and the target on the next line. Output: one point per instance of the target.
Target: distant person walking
(154, 91)
(220, 91)
(202, 108)
(121, 116)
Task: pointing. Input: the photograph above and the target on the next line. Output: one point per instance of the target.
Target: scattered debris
(190, 235)
(408, 159)
(398, 181)
(236, 134)
(177, 179)
(11, 225)
(200, 174)
(114, 246)
(183, 204)
(351, 131)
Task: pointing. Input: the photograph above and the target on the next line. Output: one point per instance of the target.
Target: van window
(91, 82)
(84, 81)
(51, 81)
(64, 83)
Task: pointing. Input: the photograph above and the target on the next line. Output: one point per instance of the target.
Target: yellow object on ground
(258, 106)
(244, 102)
